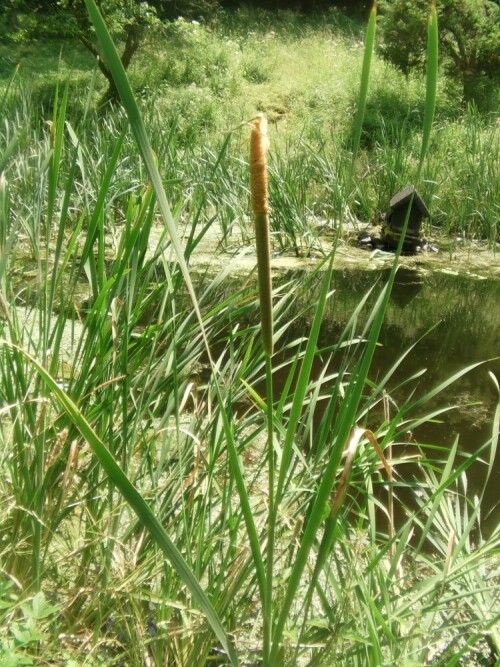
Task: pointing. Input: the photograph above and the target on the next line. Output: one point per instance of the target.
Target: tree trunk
(132, 42)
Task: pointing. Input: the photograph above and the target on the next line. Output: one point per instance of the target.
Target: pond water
(466, 315)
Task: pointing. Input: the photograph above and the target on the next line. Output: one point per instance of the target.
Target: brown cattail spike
(259, 144)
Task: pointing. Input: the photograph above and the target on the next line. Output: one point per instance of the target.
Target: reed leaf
(431, 84)
(138, 128)
(9, 150)
(363, 91)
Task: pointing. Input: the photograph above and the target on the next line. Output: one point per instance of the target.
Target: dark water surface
(466, 315)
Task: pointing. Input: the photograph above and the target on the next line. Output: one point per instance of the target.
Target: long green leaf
(9, 150)
(303, 380)
(139, 130)
(495, 431)
(438, 495)
(363, 91)
(442, 385)
(431, 83)
(137, 125)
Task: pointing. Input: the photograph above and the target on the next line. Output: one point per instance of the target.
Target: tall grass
(158, 504)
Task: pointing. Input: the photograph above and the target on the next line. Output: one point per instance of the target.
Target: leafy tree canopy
(127, 20)
(469, 33)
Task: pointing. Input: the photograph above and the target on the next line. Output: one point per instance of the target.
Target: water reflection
(454, 321)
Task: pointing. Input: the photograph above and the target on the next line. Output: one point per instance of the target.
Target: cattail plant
(259, 144)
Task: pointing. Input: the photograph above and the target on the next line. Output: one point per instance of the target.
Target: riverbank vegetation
(253, 537)
(199, 81)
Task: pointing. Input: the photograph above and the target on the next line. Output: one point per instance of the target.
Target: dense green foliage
(128, 22)
(469, 35)
(160, 368)
(469, 41)
(30, 19)
(202, 80)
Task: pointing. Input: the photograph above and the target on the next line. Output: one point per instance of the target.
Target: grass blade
(363, 91)
(431, 83)
(302, 382)
(495, 429)
(9, 150)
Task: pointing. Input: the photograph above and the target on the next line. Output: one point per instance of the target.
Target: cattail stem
(259, 145)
